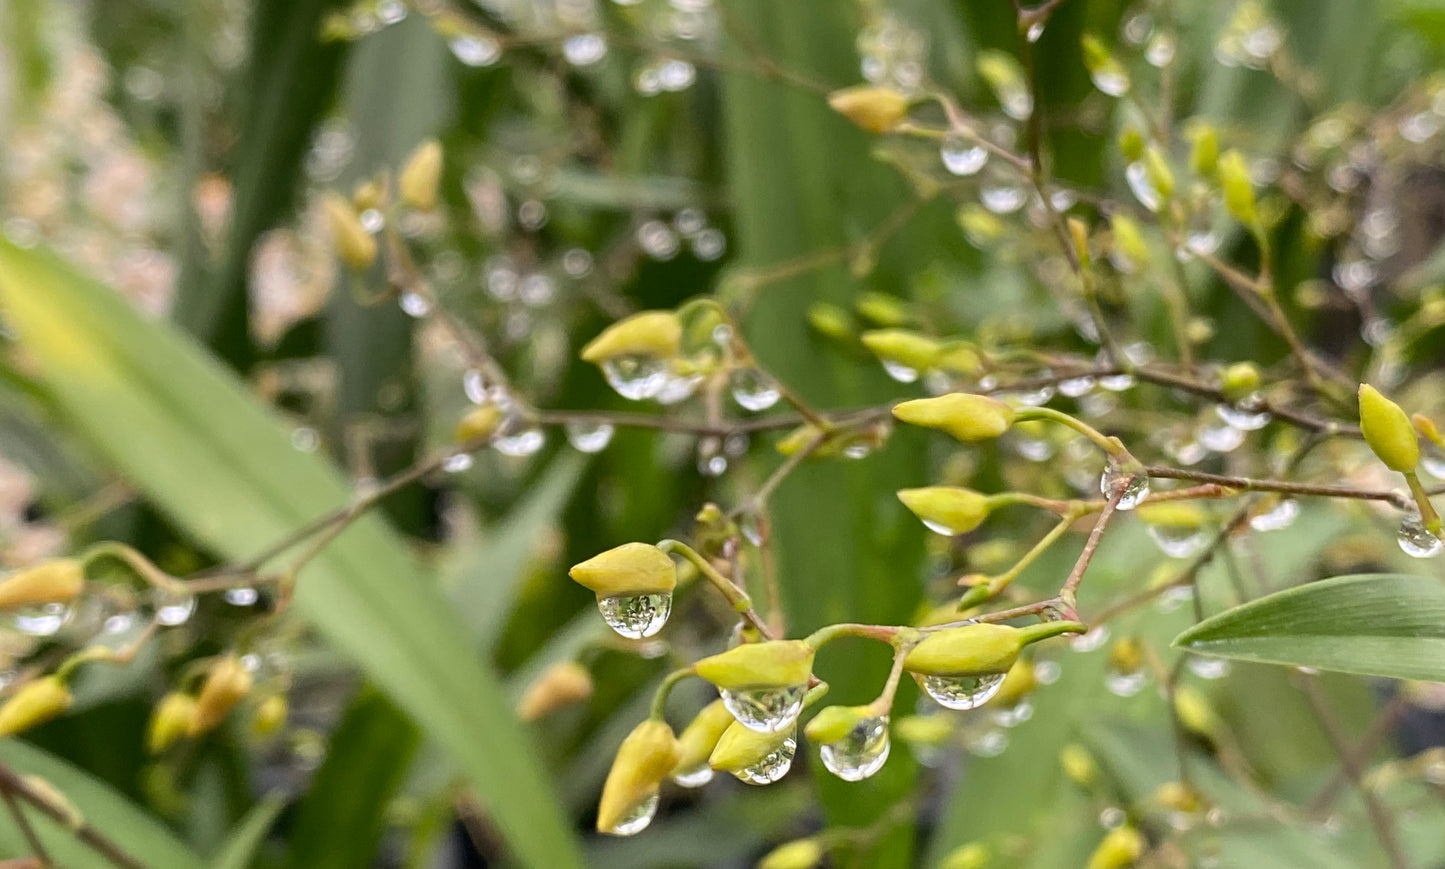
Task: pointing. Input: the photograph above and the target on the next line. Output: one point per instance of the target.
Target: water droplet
(636, 377)
(939, 528)
(1034, 449)
(1209, 668)
(1110, 79)
(1091, 641)
(859, 754)
(1002, 196)
(990, 743)
(243, 595)
(415, 305)
(961, 156)
(753, 389)
(637, 819)
(476, 51)
(1036, 30)
(774, 765)
(676, 75)
(709, 244)
(1160, 50)
(1140, 185)
(519, 438)
(1178, 542)
(1125, 684)
(750, 525)
(1432, 460)
(1171, 599)
(457, 463)
(693, 778)
(584, 49)
(1014, 715)
(710, 460)
(1136, 490)
(766, 710)
(1117, 382)
(1047, 672)
(1076, 386)
(42, 620)
(1276, 518)
(1222, 438)
(900, 372)
(636, 616)
(1246, 414)
(173, 607)
(372, 220)
(589, 437)
(657, 240)
(678, 388)
(390, 11)
(962, 692)
(1416, 540)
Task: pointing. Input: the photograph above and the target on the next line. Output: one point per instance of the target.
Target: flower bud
(562, 684)
(1178, 796)
(1096, 56)
(772, 664)
(982, 226)
(1131, 143)
(170, 721)
(799, 854)
(1079, 235)
(884, 309)
(830, 321)
(1195, 712)
(421, 177)
(270, 716)
(741, 747)
(355, 246)
(925, 730)
(1126, 655)
(645, 758)
(226, 683)
(368, 194)
(632, 568)
(1388, 431)
(1157, 170)
(906, 348)
(835, 722)
(1426, 426)
(959, 357)
(1120, 848)
(974, 855)
(966, 416)
(969, 650)
(701, 736)
(59, 580)
(1128, 241)
(1078, 765)
(1238, 189)
(1018, 684)
(655, 334)
(875, 109)
(1204, 156)
(33, 704)
(479, 424)
(1239, 381)
(1180, 515)
(946, 509)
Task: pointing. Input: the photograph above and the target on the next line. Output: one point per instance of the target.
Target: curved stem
(829, 633)
(1110, 445)
(659, 697)
(139, 564)
(729, 590)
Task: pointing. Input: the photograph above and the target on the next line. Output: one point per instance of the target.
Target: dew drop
(42, 620)
(1246, 414)
(1035, 31)
(1117, 382)
(939, 528)
(1432, 460)
(243, 595)
(753, 389)
(1002, 197)
(1076, 386)
(990, 743)
(709, 244)
(457, 463)
(589, 437)
(962, 692)
(859, 754)
(1178, 542)
(1125, 684)
(695, 777)
(476, 51)
(1091, 641)
(900, 372)
(1276, 518)
(961, 156)
(677, 388)
(636, 616)
(173, 607)
(636, 377)
(766, 710)
(1110, 79)
(1416, 540)
(519, 438)
(584, 49)
(415, 305)
(773, 766)
(1135, 491)
(636, 820)
(1223, 438)
(1209, 668)
(1139, 184)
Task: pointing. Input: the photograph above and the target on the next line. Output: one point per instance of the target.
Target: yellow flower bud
(1079, 235)
(835, 722)
(1178, 796)
(1131, 143)
(969, 650)
(946, 509)
(875, 109)
(959, 357)
(1195, 712)
(170, 721)
(1156, 169)
(226, 683)
(1204, 156)
(980, 225)
(701, 736)
(1096, 56)
(1120, 848)
(1179, 515)
(270, 716)
(654, 334)
(884, 309)
(59, 580)
(974, 855)
(1126, 655)
(830, 321)
(479, 424)
(1426, 426)
(645, 758)
(798, 439)
(562, 684)
(741, 747)
(1388, 431)
(799, 854)
(1129, 241)
(773, 664)
(421, 177)
(1018, 684)
(355, 246)
(1003, 74)
(33, 704)
(632, 568)
(1239, 381)
(368, 194)
(925, 729)
(1078, 765)
(966, 416)
(1238, 189)
(906, 348)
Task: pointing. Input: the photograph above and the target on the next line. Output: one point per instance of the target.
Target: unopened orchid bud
(1178, 796)
(170, 721)
(1172, 515)
(1131, 143)
(1019, 683)
(741, 748)
(835, 722)
(34, 704)
(1078, 765)
(875, 109)
(59, 580)
(900, 346)
(629, 569)
(227, 682)
(1204, 155)
(966, 416)
(1388, 431)
(1238, 189)
(1126, 655)
(969, 650)
(420, 178)
(884, 309)
(1128, 243)
(1079, 235)
(1195, 712)
(830, 321)
(925, 730)
(1239, 381)
(959, 357)
(798, 854)
(652, 334)
(700, 737)
(974, 855)
(1121, 847)
(270, 716)
(479, 424)
(772, 664)
(947, 510)
(563, 684)
(1426, 426)
(355, 246)
(645, 758)
(1156, 169)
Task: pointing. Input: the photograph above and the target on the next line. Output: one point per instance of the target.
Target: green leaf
(134, 831)
(223, 468)
(246, 838)
(1375, 625)
(366, 762)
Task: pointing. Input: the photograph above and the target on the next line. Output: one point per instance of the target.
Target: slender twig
(1248, 484)
(16, 786)
(32, 840)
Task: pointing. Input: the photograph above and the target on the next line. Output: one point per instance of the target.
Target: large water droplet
(1223, 438)
(636, 377)
(1002, 196)
(173, 607)
(1276, 518)
(1209, 668)
(772, 767)
(519, 438)
(962, 157)
(1416, 540)
(242, 595)
(415, 305)
(695, 777)
(1111, 79)
(1125, 684)
(766, 710)
(900, 372)
(859, 754)
(1117, 382)
(589, 437)
(1076, 386)
(1247, 414)
(636, 616)
(637, 819)
(584, 49)
(475, 51)
(753, 389)
(1139, 184)
(42, 620)
(962, 692)
(1178, 542)
(1136, 490)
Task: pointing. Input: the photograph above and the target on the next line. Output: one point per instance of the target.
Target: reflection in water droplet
(695, 777)
(636, 616)
(766, 710)
(41, 620)
(962, 692)
(1135, 490)
(753, 389)
(1125, 684)
(1276, 518)
(859, 754)
(1140, 185)
(1416, 540)
(772, 767)
(589, 437)
(1178, 542)
(961, 156)
(636, 820)
(636, 377)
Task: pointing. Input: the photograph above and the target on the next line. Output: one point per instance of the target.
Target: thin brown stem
(15, 785)
(32, 840)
